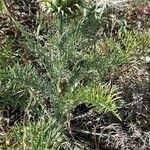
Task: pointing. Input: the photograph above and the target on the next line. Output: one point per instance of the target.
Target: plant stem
(60, 48)
(61, 32)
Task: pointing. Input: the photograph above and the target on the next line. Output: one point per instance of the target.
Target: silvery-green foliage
(22, 85)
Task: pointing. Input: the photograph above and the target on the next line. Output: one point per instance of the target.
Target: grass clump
(44, 134)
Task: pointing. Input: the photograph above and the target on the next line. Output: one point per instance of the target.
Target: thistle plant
(62, 8)
(102, 97)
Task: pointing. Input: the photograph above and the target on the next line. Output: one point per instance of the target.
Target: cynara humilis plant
(62, 9)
